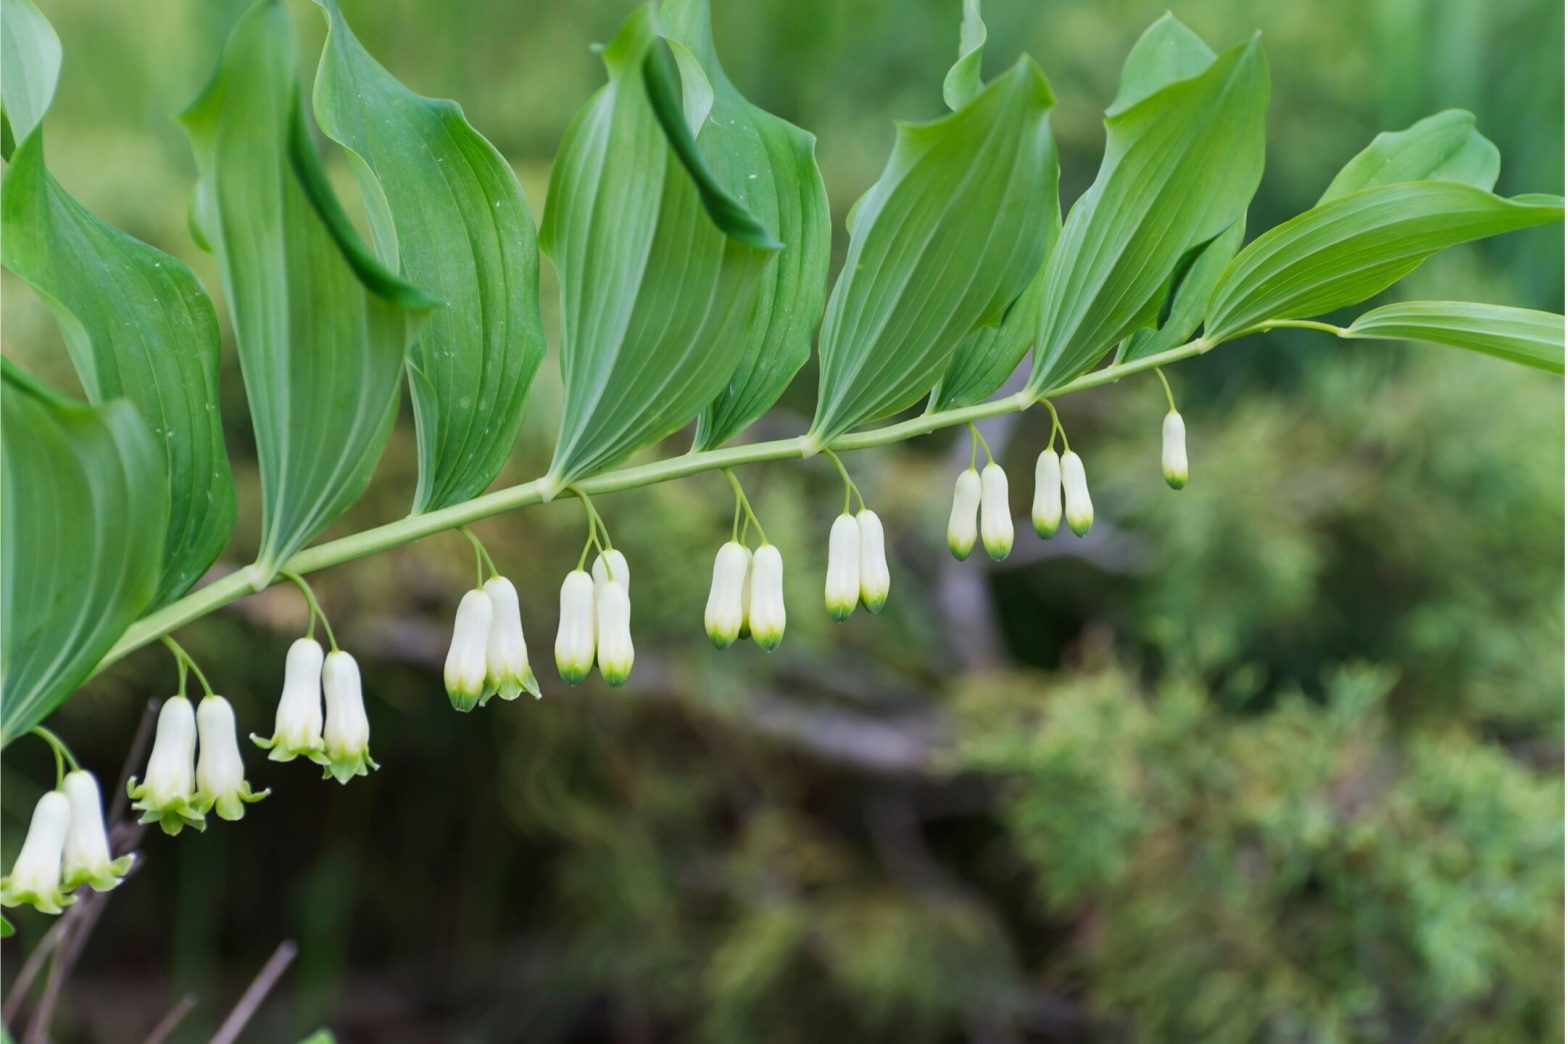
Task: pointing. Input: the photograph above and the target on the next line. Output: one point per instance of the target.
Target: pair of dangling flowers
(195, 766)
(488, 655)
(596, 611)
(857, 556)
(67, 843)
(983, 495)
(339, 740)
(746, 598)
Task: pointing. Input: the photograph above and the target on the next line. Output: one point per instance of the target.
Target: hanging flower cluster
(746, 598)
(488, 655)
(181, 785)
(66, 848)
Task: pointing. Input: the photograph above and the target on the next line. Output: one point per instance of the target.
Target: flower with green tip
(1173, 454)
(764, 597)
(961, 529)
(466, 668)
(347, 732)
(220, 771)
(841, 592)
(1075, 486)
(1047, 512)
(35, 880)
(725, 614)
(168, 795)
(507, 672)
(296, 728)
(874, 576)
(87, 859)
(574, 638)
(996, 515)
(611, 565)
(613, 626)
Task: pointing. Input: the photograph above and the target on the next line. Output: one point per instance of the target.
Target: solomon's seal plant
(690, 236)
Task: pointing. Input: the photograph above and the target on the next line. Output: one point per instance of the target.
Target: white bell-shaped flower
(220, 771)
(1075, 486)
(765, 598)
(996, 515)
(874, 576)
(726, 611)
(466, 667)
(574, 638)
(611, 565)
(87, 858)
(296, 729)
(614, 632)
(35, 879)
(842, 590)
(168, 795)
(1047, 511)
(347, 732)
(961, 527)
(506, 653)
(1173, 454)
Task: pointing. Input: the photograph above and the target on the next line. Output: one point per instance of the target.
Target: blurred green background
(1277, 758)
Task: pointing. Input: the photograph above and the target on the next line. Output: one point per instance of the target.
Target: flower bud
(1047, 512)
(1173, 456)
(726, 611)
(168, 795)
(611, 565)
(574, 639)
(842, 590)
(1075, 484)
(614, 626)
(996, 514)
(506, 653)
(874, 578)
(466, 667)
(87, 860)
(347, 732)
(35, 879)
(296, 729)
(961, 523)
(220, 771)
(766, 597)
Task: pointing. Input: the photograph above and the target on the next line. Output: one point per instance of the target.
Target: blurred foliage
(1276, 758)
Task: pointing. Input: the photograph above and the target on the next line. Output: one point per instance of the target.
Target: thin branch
(170, 1022)
(255, 993)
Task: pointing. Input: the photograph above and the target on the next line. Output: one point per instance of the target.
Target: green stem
(596, 524)
(1057, 429)
(849, 483)
(252, 578)
(975, 436)
(482, 559)
(1293, 324)
(62, 754)
(314, 607)
(187, 661)
(745, 504)
(1167, 386)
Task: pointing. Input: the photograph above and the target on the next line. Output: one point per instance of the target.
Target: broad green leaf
(1342, 252)
(29, 70)
(82, 519)
(944, 243)
(322, 327)
(660, 266)
(1519, 335)
(138, 326)
(1183, 156)
(770, 166)
(448, 210)
(1443, 147)
(1190, 296)
(984, 359)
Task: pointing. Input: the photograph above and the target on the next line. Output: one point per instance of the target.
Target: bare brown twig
(256, 992)
(170, 1022)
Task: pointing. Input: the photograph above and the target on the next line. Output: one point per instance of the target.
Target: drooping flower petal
(614, 632)
(841, 592)
(961, 527)
(220, 770)
(297, 726)
(87, 858)
(168, 795)
(35, 879)
(1075, 484)
(347, 732)
(1047, 511)
(574, 638)
(996, 514)
(765, 599)
(466, 668)
(874, 576)
(1173, 454)
(506, 653)
(726, 609)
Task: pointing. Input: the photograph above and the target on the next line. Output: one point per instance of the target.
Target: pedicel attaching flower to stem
(87, 857)
(220, 770)
(346, 736)
(35, 879)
